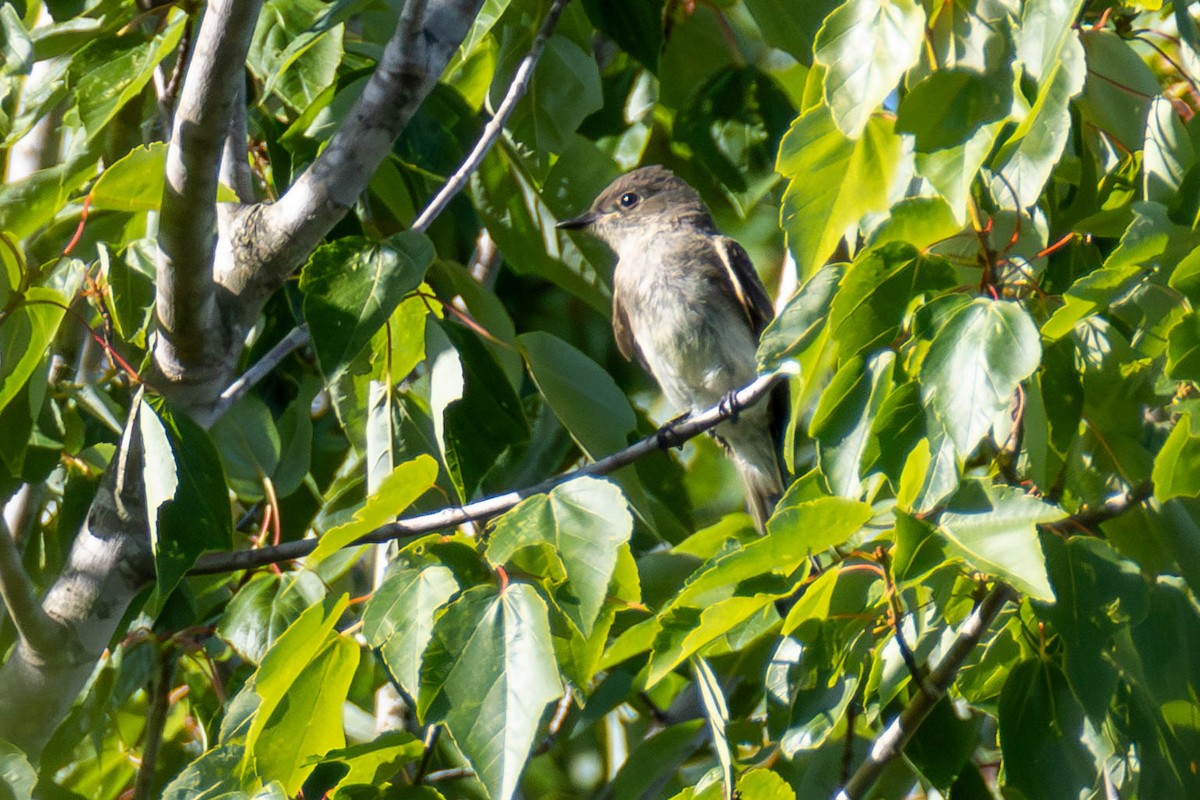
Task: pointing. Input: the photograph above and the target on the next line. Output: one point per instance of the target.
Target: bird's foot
(665, 432)
(729, 405)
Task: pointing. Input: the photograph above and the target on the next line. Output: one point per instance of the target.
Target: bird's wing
(623, 333)
(744, 281)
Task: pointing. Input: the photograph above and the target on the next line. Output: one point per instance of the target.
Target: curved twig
(491, 131)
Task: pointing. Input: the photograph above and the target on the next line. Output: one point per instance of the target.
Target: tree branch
(1090, 518)
(192, 344)
(235, 167)
(495, 125)
(272, 239)
(40, 633)
(671, 435)
(890, 743)
(296, 338)
(109, 563)
(299, 336)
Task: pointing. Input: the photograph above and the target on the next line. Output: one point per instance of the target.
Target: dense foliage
(991, 209)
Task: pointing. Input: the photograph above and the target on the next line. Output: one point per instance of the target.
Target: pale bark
(195, 349)
(270, 241)
(209, 294)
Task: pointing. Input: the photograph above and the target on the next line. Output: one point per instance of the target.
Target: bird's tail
(751, 445)
(763, 486)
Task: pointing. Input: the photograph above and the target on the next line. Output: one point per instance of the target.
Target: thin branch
(296, 338)
(235, 163)
(39, 631)
(889, 744)
(432, 734)
(671, 435)
(191, 336)
(156, 720)
(1113, 507)
(491, 131)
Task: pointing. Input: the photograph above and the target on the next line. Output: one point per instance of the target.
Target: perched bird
(689, 306)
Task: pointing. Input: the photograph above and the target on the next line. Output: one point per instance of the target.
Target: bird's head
(649, 196)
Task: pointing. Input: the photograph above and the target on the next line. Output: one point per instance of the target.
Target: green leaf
(263, 609)
(1047, 29)
(1025, 161)
(17, 776)
(516, 215)
(684, 631)
(25, 336)
(792, 27)
(477, 415)
(952, 171)
(994, 530)
(763, 784)
(1090, 294)
(248, 443)
(352, 286)
(948, 107)
(372, 763)
(796, 327)
(844, 416)
(302, 684)
(564, 90)
(832, 181)
(975, 363)
(1042, 734)
(802, 527)
(1177, 465)
(635, 25)
(866, 46)
(582, 395)
(488, 674)
(712, 696)
(799, 528)
(870, 303)
(919, 550)
(399, 617)
(296, 49)
(920, 221)
(187, 503)
(585, 521)
(396, 492)
(1168, 152)
(16, 49)
(134, 182)
(29, 203)
(1183, 349)
(733, 123)
(1119, 91)
(651, 764)
(111, 71)
(130, 288)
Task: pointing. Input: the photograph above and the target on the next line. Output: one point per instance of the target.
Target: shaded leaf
(398, 619)
(488, 674)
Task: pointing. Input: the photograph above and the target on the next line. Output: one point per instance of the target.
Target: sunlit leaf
(975, 363)
(994, 529)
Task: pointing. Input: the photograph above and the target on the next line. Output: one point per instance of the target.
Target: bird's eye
(629, 200)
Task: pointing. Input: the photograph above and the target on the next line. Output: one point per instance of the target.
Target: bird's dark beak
(582, 221)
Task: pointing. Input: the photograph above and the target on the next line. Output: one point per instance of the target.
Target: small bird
(689, 306)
